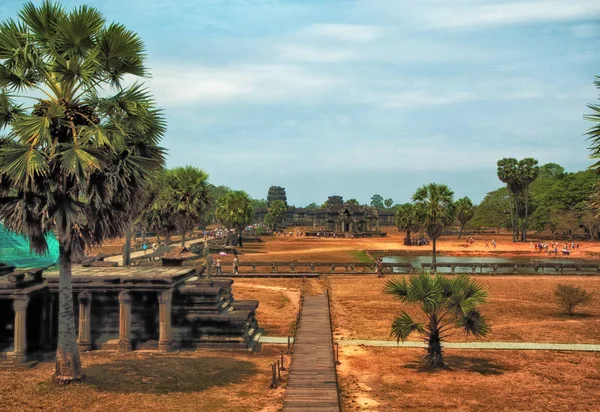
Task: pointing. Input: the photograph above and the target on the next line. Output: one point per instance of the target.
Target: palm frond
(403, 326)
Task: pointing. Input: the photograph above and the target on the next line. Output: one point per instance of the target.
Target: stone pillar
(84, 339)
(20, 330)
(124, 322)
(164, 317)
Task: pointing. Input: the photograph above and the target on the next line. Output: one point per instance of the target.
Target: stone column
(84, 338)
(124, 322)
(164, 318)
(20, 330)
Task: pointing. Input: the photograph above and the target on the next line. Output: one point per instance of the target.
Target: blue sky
(362, 97)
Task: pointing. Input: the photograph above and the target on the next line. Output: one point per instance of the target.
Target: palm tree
(528, 172)
(593, 134)
(464, 212)
(276, 213)
(68, 161)
(235, 211)
(436, 205)
(446, 302)
(508, 173)
(407, 219)
(188, 192)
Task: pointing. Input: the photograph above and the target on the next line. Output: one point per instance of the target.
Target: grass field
(144, 381)
(519, 309)
(390, 379)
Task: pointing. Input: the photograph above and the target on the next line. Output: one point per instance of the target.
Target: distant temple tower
(276, 193)
(335, 201)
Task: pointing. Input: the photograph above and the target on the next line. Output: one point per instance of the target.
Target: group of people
(296, 233)
(416, 241)
(469, 241)
(553, 247)
(218, 263)
(487, 244)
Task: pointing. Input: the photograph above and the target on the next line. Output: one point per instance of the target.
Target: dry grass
(185, 381)
(278, 302)
(377, 379)
(520, 309)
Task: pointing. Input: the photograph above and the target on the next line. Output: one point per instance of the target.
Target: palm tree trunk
(516, 236)
(167, 238)
(127, 245)
(434, 357)
(183, 239)
(143, 235)
(407, 238)
(461, 229)
(433, 261)
(524, 230)
(68, 364)
(512, 212)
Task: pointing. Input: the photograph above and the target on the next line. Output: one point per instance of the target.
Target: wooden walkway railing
(312, 382)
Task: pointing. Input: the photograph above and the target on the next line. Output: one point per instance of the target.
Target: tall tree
(528, 172)
(70, 158)
(508, 173)
(593, 133)
(377, 201)
(352, 202)
(407, 219)
(188, 193)
(446, 303)
(388, 203)
(464, 212)
(276, 213)
(235, 211)
(494, 210)
(436, 206)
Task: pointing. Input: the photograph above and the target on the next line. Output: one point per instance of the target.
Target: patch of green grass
(361, 256)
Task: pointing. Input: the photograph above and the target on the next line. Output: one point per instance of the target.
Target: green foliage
(234, 210)
(464, 210)
(377, 201)
(258, 203)
(593, 133)
(352, 202)
(493, 211)
(446, 302)
(361, 256)
(276, 214)
(312, 206)
(435, 205)
(408, 219)
(568, 297)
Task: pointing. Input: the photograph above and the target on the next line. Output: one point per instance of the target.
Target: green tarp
(14, 251)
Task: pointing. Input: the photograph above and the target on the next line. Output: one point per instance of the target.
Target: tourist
(219, 269)
(236, 262)
(486, 243)
(494, 243)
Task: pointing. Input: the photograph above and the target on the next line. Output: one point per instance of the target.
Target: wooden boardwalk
(312, 382)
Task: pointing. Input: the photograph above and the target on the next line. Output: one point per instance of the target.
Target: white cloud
(406, 100)
(315, 54)
(245, 83)
(346, 32)
(470, 15)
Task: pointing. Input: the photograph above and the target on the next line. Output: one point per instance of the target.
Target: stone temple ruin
(123, 309)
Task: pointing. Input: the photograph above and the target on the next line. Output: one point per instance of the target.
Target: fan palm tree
(187, 191)
(508, 173)
(407, 219)
(436, 207)
(528, 172)
(72, 162)
(446, 302)
(464, 212)
(235, 211)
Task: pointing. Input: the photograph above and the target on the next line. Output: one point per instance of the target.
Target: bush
(569, 297)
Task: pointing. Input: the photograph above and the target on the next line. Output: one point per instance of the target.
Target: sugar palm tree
(464, 212)
(436, 208)
(446, 302)
(528, 172)
(508, 173)
(73, 161)
(407, 219)
(235, 211)
(187, 192)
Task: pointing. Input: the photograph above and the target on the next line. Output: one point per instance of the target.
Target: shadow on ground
(167, 374)
(482, 366)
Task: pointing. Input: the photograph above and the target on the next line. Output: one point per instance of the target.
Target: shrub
(569, 297)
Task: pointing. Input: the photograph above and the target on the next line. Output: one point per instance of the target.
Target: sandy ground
(374, 379)
(185, 381)
(519, 309)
